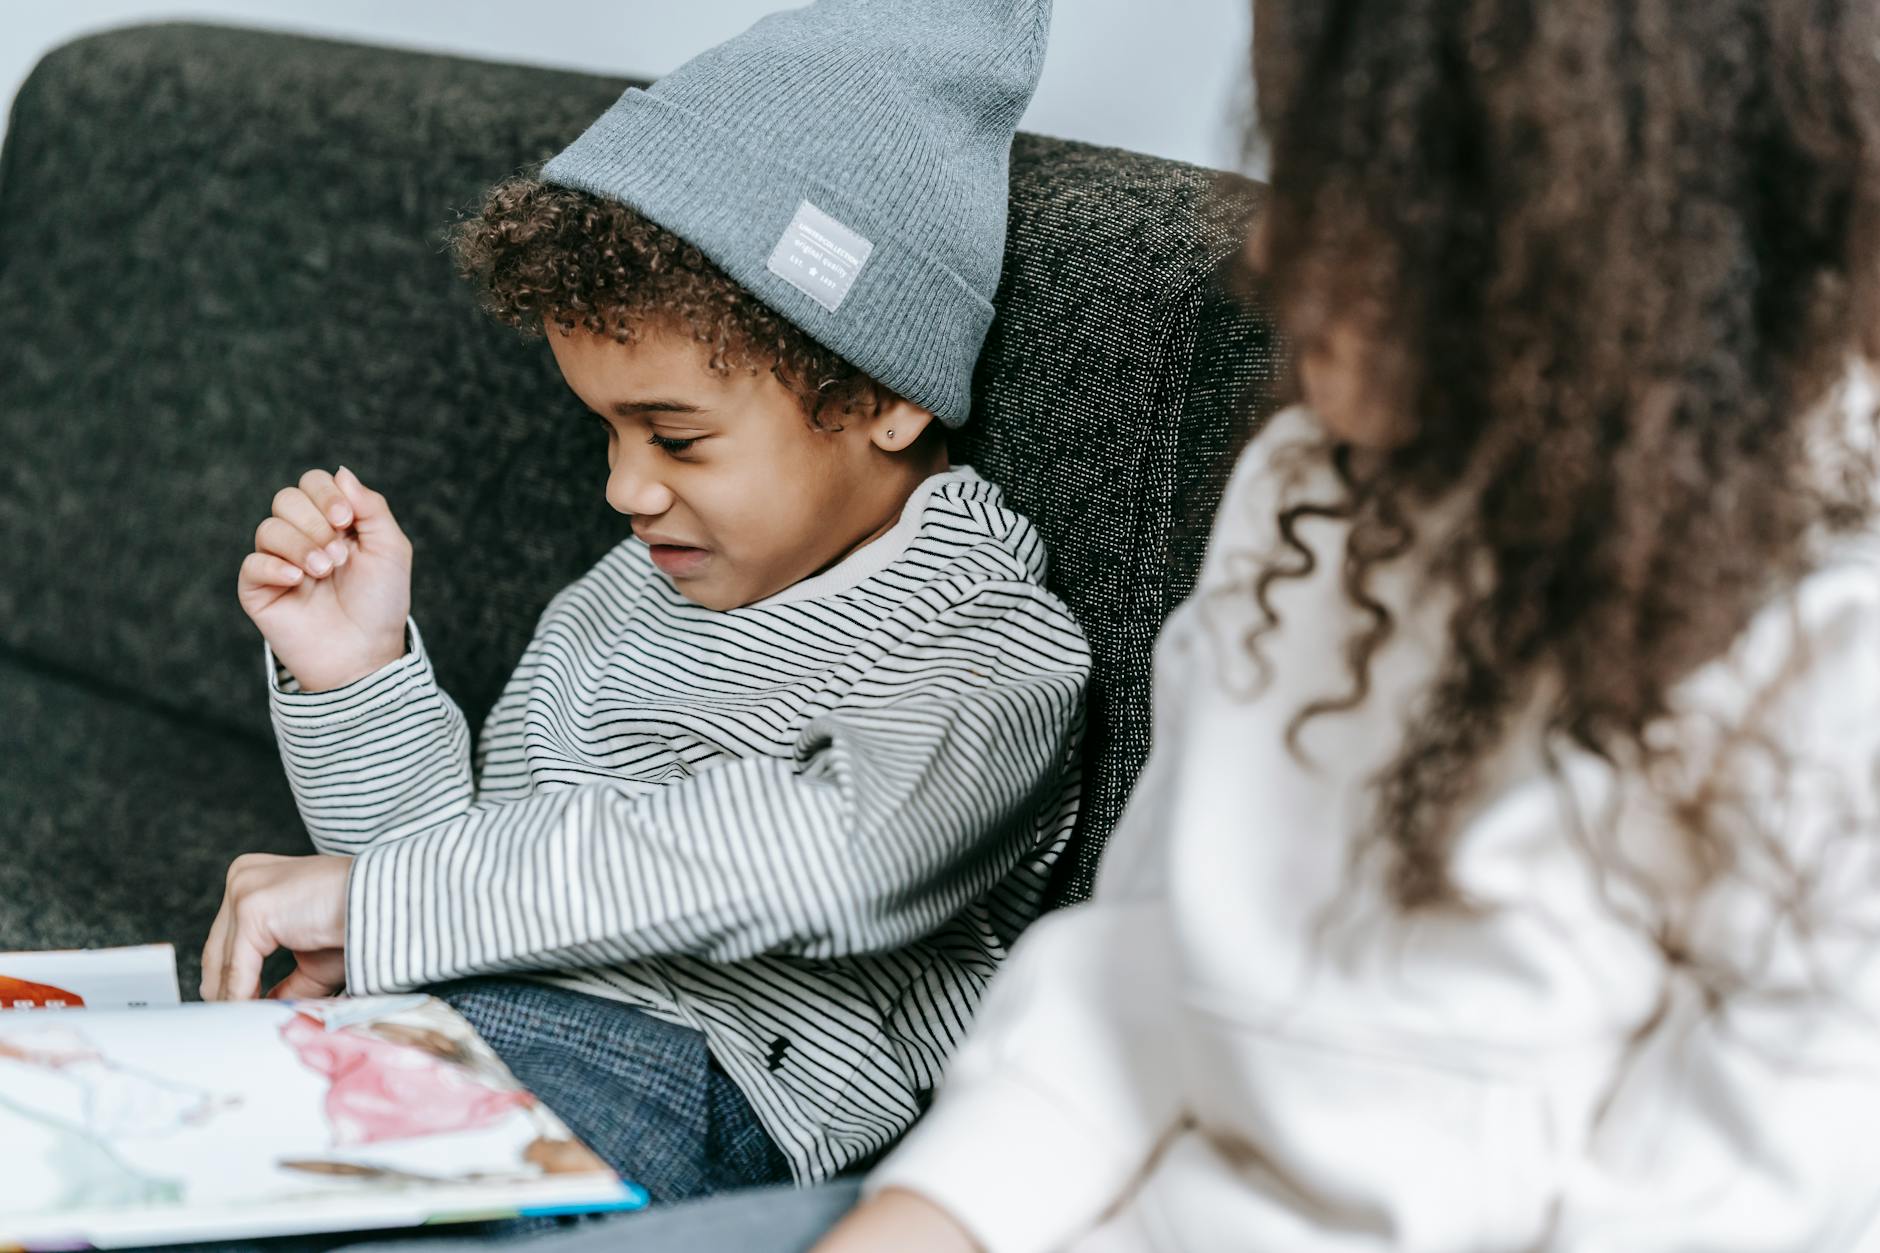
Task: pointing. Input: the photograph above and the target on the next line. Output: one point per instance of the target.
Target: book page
(193, 1122)
(96, 978)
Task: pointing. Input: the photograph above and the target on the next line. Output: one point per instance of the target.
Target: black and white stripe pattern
(810, 827)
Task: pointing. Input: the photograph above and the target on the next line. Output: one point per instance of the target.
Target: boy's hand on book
(271, 903)
(329, 582)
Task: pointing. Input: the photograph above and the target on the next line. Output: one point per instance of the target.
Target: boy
(778, 782)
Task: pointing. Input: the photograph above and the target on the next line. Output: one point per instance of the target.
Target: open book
(138, 1120)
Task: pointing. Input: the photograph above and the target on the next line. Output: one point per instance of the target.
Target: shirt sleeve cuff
(387, 685)
(961, 1157)
(411, 919)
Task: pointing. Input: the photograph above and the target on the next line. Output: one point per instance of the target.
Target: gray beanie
(847, 164)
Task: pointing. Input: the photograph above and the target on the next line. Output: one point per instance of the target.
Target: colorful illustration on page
(87, 1103)
(406, 1071)
(25, 994)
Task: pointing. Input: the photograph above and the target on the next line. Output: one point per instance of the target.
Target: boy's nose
(632, 490)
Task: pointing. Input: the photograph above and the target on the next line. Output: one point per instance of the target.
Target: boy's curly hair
(1609, 261)
(539, 253)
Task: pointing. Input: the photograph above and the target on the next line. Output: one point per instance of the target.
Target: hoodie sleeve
(377, 759)
(1068, 1070)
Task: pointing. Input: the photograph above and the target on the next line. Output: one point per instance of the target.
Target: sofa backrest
(222, 262)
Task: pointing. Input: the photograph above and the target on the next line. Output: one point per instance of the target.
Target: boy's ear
(897, 424)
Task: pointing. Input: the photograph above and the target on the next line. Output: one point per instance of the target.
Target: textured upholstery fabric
(1113, 392)
(221, 262)
(118, 819)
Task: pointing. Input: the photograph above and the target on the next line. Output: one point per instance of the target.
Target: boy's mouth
(679, 560)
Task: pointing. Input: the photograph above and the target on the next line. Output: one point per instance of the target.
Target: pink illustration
(395, 1088)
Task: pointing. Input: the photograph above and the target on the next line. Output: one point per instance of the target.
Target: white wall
(1161, 76)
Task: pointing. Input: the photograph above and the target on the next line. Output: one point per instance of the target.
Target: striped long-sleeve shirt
(810, 827)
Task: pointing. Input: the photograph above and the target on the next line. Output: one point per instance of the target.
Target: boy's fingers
(299, 510)
(266, 571)
(289, 989)
(279, 538)
(241, 971)
(299, 984)
(327, 498)
(372, 517)
(210, 989)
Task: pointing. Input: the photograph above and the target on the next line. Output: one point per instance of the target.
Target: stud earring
(890, 432)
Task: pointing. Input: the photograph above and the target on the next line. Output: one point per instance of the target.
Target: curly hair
(540, 254)
(1609, 261)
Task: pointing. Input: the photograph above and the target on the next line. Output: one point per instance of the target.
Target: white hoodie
(1203, 1057)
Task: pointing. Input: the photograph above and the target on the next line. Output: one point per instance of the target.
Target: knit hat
(847, 163)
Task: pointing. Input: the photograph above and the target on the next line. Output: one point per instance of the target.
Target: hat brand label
(819, 256)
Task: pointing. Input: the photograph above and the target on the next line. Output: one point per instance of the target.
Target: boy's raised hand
(329, 582)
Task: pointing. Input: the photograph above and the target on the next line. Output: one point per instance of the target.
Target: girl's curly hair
(1610, 260)
(539, 254)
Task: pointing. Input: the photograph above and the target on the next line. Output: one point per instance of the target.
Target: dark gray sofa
(221, 263)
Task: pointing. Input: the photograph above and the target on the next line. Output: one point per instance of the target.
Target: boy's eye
(669, 444)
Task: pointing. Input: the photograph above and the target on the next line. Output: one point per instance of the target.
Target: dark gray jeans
(644, 1094)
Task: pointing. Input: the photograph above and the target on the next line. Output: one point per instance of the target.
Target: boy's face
(724, 478)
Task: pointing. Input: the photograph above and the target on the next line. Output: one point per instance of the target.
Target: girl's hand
(270, 903)
(903, 1221)
(329, 582)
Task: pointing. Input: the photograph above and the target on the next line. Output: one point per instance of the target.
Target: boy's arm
(912, 797)
(372, 748)
(376, 759)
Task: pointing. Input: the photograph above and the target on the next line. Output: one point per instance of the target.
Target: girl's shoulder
(1282, 463)
(1806, 669)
